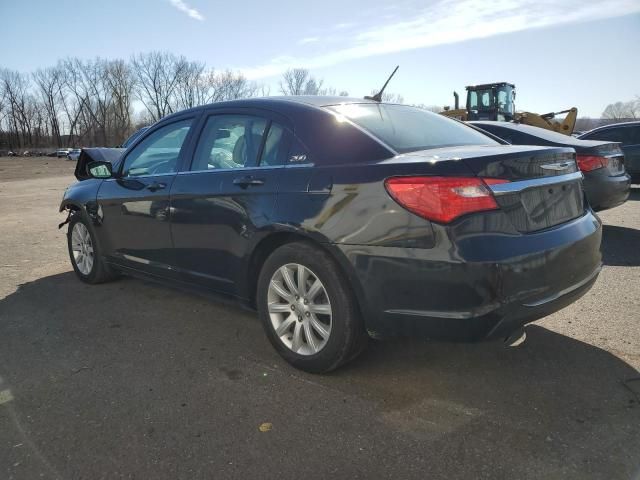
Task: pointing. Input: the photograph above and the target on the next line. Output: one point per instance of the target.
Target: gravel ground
(135, 380)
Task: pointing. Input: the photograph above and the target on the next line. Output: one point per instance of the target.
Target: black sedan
(606, 183)
(341, 219)
(628, 135)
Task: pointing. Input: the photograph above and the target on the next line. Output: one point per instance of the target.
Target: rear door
(135, 205)
(631, 148)
(226, 196)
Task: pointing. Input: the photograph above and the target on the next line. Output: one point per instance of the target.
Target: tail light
(587, 163)
(443, 199)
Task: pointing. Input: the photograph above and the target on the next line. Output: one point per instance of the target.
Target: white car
(62, 152)
(74, 154)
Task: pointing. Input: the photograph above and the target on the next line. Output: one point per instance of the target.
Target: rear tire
(308, 310)
(85, 253)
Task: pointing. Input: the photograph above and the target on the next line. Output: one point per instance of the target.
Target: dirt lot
(135, 380)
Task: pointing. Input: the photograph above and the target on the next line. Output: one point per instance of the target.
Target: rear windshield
(407, 129)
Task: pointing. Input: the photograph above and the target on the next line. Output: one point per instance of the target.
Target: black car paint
(628, 134)
(604, 189)
(477, 277)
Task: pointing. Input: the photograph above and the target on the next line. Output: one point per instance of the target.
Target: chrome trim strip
(245, 169)
(516, 187)
(239, 169)
(564, 292)
(459, 315)
(136, 177)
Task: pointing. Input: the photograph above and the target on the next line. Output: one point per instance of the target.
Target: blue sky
(559, 53)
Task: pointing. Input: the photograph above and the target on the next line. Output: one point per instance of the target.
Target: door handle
(156, 186)
(247, 181)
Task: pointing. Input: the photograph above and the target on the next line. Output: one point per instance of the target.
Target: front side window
(159, 152)
(407, 129)
(229, 141)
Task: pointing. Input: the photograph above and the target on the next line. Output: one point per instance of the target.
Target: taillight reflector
(587, 163)
(443, 199)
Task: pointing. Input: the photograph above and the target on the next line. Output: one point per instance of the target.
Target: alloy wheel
(82, 248)
(299, 309)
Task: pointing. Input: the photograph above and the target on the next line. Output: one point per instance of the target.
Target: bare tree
(299, 81)
(227, 85)
(119, 81)
(15, 88)
(389, 97)
(48, 81)
(191, 88)
(431, 108)
(294, 81)
(623, 110)
(157, 77)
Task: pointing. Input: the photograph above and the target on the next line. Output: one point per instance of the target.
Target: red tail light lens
(443, 199)
(587, 163)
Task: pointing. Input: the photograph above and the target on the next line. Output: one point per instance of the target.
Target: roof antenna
(378, 96)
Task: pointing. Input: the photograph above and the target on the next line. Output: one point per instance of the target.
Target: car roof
(612, 126)
(310, 123)
(280, 103)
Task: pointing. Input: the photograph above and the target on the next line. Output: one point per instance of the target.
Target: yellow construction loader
(496, 101)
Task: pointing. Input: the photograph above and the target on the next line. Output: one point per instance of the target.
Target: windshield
(407, 129)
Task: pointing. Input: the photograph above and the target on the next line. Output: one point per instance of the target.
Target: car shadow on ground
(552, 400)
(620, 246)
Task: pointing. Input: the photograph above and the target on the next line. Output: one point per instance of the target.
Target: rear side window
(502, 133)
(610, 135)
(407, 129)
(274, 151)
(633, 135)
(229, 141)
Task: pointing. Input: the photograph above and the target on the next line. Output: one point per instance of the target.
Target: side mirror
(100, 169)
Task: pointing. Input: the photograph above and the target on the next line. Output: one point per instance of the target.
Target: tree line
(91, 102)
(101, 102)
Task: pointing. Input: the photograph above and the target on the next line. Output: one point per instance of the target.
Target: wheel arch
(70, 205)
(274, 240)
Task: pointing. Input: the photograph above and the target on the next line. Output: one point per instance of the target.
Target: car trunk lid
(615, 158)
(544, 186)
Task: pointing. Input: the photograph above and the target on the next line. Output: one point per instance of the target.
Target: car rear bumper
(606, 192)
(438, 293)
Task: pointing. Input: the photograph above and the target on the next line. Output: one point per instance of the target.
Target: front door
(226, 197)
(134, 206)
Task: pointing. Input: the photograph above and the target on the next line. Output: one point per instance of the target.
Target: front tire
(308, 310)
(84, 252)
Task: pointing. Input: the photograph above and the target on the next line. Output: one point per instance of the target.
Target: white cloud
(451, 21)
(183, 7)
(344, 26)
(306, 40)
